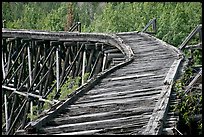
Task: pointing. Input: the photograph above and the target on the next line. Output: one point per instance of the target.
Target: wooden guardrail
(197, 29)
(76, 26)
(154, 28)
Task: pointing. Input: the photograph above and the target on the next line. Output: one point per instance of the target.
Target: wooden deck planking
(121, 91)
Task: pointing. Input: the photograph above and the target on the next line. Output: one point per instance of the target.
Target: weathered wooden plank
(86, 132)
(101, 115)
(74, 110)
(132, 76)
(96, 124)
(117, 101)
(112, 50)
(139, 96)
(118, 90)
(120, 93)
(133, 82)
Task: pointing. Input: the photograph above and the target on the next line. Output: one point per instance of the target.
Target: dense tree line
(175, 20)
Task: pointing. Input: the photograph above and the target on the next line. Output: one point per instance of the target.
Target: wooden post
(98, 68)
(6, 112)
(65, 62)
(78, 63)
(90, 61)
(57, 66)
(95, 65)
(29, 65)
(83, 66)
(3, 70)
(104, 62)
(30, 80)
(9, 55)
(200, 34)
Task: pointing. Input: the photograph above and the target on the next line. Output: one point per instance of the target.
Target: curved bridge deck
(131, 100)
(124, 101)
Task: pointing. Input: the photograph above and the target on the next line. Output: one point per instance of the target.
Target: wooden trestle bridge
(121, 83)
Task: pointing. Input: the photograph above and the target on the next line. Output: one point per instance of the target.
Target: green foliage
(50, 97)
(86, 76)
(69, 86)
(34, 15)
(34, 116)
(175, 20)
(55, 21)
(190, 105)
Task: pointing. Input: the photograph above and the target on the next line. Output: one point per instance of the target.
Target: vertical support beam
(78, 63)
(9, 54)
(83, 66)
(31, 110)
(200, 34)
(88, 69)
(79, 26)
(21, 70)
(66, 62)
(104, 62)
(57, 66)
(99, 63)
(154, 28)
(29, 65)
(6, 112)
(94, 71)
(2, 63)
(30, 80)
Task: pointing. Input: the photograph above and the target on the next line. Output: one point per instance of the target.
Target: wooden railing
(76, 26)
(197, 29)
(153, 23)
(189, 60)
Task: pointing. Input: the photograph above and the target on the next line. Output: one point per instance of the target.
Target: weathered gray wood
(10, 69)
(2, 65)
(197, 78)
(89, 64)
(118, 92)
(83, 66)
(66, 63)
(6, 113)
(27, 94)
(57, 68)
(94, 66)
(197, 29)
(97, 124)
(101, 116)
